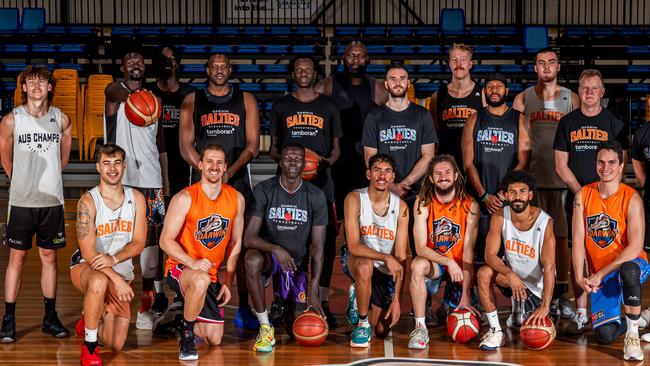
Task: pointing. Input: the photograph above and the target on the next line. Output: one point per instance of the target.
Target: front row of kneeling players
(290, 213)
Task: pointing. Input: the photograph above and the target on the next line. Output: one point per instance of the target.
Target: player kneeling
(376, 231)
(527, 272)
(445, 227)
(111, 229)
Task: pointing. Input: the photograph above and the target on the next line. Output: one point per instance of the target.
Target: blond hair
(591, 73)
(461, 47)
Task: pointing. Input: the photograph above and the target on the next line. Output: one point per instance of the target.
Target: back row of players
(397, 142)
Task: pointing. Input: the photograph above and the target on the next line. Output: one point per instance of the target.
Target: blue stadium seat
(43, 48)
(307, 31)
(430, 50)
(484, 69)
(377, 68)
(515, 88)
(54, 29)
(452, 21)
(201, 30)
(577, 32)
(72, 48)
(347, 31)
(248, 48)
(268, 106)
(227, 31)
(122, 30)
(511, 69)
(275, 87)
(480, 31)
(403, 50)
(276, 49)
(506, 31)
(340, 67)
(638, 69)
(193, 68)
(340, 49)
(249, 87)
(8, 20)
(374, 49)
(15, 66)
(174, 31)
(603, 31)
(84, 30)
(247, 68)
(509, 49)
(631, 31)
(279, 30)
(535, 38)
(304, 49)
(148, 30)
(400, 32)
(374, 31)
(71, 66)
(485, 49)
(193, 48)
(530, 67)
(276, 68)
(410, 68)
(10, 87)
(427, 87)
(254, 30)
(426, 31)
(430, 69)
(198, 84)
(638, 49)
(33, 20)
(638, 88)
(220, 48)
(16, 48)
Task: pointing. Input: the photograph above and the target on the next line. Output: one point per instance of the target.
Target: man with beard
(355, 93)
(608, 231)
(543, 105)
(203, 229)
(290, 216)
(454, 102)
(228, 117)
(445, 228)
(577, 137)
(526, 272)
(376, 230)
(313, 120)
(143, 146)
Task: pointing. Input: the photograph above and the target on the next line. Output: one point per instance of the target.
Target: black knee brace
(608, 333)
(630, 273)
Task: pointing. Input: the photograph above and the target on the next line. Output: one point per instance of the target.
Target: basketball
(310, 329)
(312, 160)
(142, 108)
(538, 337)
(462, 325)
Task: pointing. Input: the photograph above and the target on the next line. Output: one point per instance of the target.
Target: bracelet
(484, 197)
(115, 259)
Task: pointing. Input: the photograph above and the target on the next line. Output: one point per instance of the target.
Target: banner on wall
(273, 9)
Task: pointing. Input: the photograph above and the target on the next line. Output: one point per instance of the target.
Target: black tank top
(495, 146)
(354, 101)
(221, 120)
(451, 114)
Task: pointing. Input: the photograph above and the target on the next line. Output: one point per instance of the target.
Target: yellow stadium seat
(93, 121)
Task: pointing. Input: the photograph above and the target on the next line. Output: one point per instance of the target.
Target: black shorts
(383, 286)
(568, 209)
(211, 311)
(646, 207)
(47, 223)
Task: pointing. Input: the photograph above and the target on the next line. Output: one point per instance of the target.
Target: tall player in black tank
(228, 117)
(453, 103)
(313, 120)
(355, 93)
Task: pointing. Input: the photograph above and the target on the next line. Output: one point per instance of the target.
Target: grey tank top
(36, 179)
(544, 117)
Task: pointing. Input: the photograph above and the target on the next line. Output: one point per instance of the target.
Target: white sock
(364, 322)
(582, 312)
(158, 286)
(419, 322)
(263, 317)
(90, 335)
(632, 326)
(493, 318)
(323, 293)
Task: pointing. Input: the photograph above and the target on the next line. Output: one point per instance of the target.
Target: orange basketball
(462, 325)
(142, 108)
(538, 337)
(310, 329)
(312, 160)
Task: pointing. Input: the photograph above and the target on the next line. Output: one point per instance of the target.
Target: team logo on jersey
(445, 235)
(397, 134)
(495, 136)
(646, 153)
(211, 230)
(602, 229)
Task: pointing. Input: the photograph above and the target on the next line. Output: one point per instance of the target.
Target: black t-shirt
(641, 152)
(400, 135)
(179, 170)
(580, 136)
(288, 218)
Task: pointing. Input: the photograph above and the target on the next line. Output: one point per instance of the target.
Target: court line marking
(388, 345)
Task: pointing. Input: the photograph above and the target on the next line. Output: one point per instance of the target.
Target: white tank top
(114, 228)
(142, 160)
(36, 179)
(378, 232)
(523, 250)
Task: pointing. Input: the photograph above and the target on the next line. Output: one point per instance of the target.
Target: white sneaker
(566, 311)
(492, 340)
(644, 321)
(144, 320)
(578, 324)
(419, 338)
(632, 348)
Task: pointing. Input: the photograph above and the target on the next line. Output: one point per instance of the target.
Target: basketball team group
(524, 200)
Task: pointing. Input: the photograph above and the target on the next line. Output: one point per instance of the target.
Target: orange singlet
(446, 227)
(207, 227)
(605, 225)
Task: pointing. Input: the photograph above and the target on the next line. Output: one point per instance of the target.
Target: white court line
(388, 345)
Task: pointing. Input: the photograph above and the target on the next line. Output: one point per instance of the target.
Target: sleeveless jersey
(605, 225)
(495, 146)
(523, 250)
(208, 226)
(446, 227)
(378, 232)
(114, 228)
(544, 116)
(451, 114)
(222, 120)
(36, 179)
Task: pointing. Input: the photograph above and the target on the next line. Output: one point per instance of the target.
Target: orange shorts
(112, 304)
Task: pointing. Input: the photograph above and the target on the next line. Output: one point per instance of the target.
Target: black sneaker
(276, 314)
(160, 304)
(52, 325)
(187, 348)
(8, 331)
(331, 320)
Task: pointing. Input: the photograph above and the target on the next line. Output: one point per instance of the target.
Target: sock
(50, 305)
(146, 301)
(582, 312)
(158, 286)
(493, 318)
(363, 321)
(419, 322)
(323, 293)
(188, 325)
(90, 335)
(10, 308)
(263, 317)
(91, 346)
(632, 323)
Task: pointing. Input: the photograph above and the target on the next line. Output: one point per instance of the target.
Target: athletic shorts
(606, 302)
(383, 287)
(453, 290)
(155, 199)
(552, 202)
(46, 222)
(211, 311)
(529, 305)
(293, 284)
(646, 208)
(112, 304)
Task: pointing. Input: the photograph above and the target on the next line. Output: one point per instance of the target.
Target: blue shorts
(453, 290)
(606, 302)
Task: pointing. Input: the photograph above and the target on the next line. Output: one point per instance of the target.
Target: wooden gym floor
(33, 347)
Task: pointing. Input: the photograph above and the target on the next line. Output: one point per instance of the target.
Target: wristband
(484, 197)
(115, 260)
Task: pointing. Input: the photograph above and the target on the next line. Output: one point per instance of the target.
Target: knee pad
(607, 334)
(149, 261)
(630, 273)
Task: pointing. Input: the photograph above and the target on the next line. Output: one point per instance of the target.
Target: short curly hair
(518, 176)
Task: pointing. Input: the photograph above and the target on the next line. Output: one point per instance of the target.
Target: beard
(139, 77)
(361, 71)
(497, 103)
(547, 79)
(396, 94)
(519, 209)
(443, 191)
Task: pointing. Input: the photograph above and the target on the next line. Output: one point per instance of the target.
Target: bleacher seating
(93, 116)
